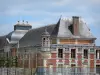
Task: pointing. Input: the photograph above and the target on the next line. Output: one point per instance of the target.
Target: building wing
(33, 36)
(3, 42)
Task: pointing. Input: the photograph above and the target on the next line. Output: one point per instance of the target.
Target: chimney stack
(75, 25)
(18, 22)
(23, 21)
(27, 22)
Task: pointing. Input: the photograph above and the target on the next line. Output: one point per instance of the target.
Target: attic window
(71, 28)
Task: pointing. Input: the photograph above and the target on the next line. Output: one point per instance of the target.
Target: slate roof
(3, 42)
(63, 31)
(16, 35)
(33, 36)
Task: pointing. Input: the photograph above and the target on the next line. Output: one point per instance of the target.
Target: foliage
(8, 61)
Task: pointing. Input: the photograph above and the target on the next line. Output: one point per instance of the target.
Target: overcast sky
(43, 12)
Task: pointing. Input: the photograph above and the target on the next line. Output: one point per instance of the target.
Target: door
(98, 69)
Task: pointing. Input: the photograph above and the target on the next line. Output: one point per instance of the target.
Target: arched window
(43, 39)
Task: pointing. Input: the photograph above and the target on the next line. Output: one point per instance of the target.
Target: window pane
(60, 53)
(99, 54)
(72, 53)
(86, 53)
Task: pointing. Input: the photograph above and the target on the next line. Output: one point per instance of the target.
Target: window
(92, 50)
(73, 53)
(60, 65)
(85, 53)
(71, 28)
(98, 69)
(72, 65)
(79, 50)
(97, 54)
(60, 68)
(60, 53)
(47, 38)
(47, 43)
(43, 39)
(67, 49)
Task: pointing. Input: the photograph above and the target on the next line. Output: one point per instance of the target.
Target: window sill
(60, 58)
(85, 58)
(97, 59)
(73, 58)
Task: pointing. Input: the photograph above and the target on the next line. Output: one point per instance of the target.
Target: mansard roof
(61, 29)
(16, 35)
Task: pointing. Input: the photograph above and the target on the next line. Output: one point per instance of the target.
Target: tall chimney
(23, 21)
(75, 25)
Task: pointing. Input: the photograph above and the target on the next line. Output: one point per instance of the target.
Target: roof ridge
(42, 26)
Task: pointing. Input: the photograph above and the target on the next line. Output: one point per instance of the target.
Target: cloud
(40, 13)
(61, 2)
(76, 2)
(5, 29)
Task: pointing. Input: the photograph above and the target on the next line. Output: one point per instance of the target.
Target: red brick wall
(79, 62)
(53, 55)
(75, 25)
(91, 62)
(67, 58)
(97, 61)
(13, 51)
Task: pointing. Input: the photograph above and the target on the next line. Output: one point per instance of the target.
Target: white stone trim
(29, 60)
(89, 58)
(97, 63)
(57, 60)
(95, 60)
(57, 53)
(76, 59)
(69, 56)
(58, 40)
(45, 63)
(63, 59)
(82, 56)
(76, 41)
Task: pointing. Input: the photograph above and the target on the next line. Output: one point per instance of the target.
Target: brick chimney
(75, 25)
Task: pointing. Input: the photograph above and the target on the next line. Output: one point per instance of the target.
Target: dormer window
(71, 28)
